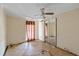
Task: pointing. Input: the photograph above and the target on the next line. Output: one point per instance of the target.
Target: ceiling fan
(45, 13)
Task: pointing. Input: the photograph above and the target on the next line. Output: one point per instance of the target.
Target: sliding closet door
(30, 29)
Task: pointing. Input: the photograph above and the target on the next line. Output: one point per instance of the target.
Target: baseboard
(67, 51)
(10, 45)
(5, 51)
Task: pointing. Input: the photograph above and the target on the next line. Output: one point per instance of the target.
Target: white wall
(68, 31)
(41, 31)
(2, 31)
(16, 29)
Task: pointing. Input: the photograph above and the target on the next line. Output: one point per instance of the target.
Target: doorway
(50, 31)
(30, 31)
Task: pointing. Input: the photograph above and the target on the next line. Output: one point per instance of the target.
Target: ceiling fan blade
(48, 13)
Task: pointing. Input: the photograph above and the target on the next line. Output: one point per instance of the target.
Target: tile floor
(35, 48)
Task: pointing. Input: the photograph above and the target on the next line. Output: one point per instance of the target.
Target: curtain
(30, 30)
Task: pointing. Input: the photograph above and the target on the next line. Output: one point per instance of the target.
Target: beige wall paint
(16, 29)
(68, 31)
(36, 30)
(2, 31)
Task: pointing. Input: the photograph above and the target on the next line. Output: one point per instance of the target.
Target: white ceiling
(33, 9)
